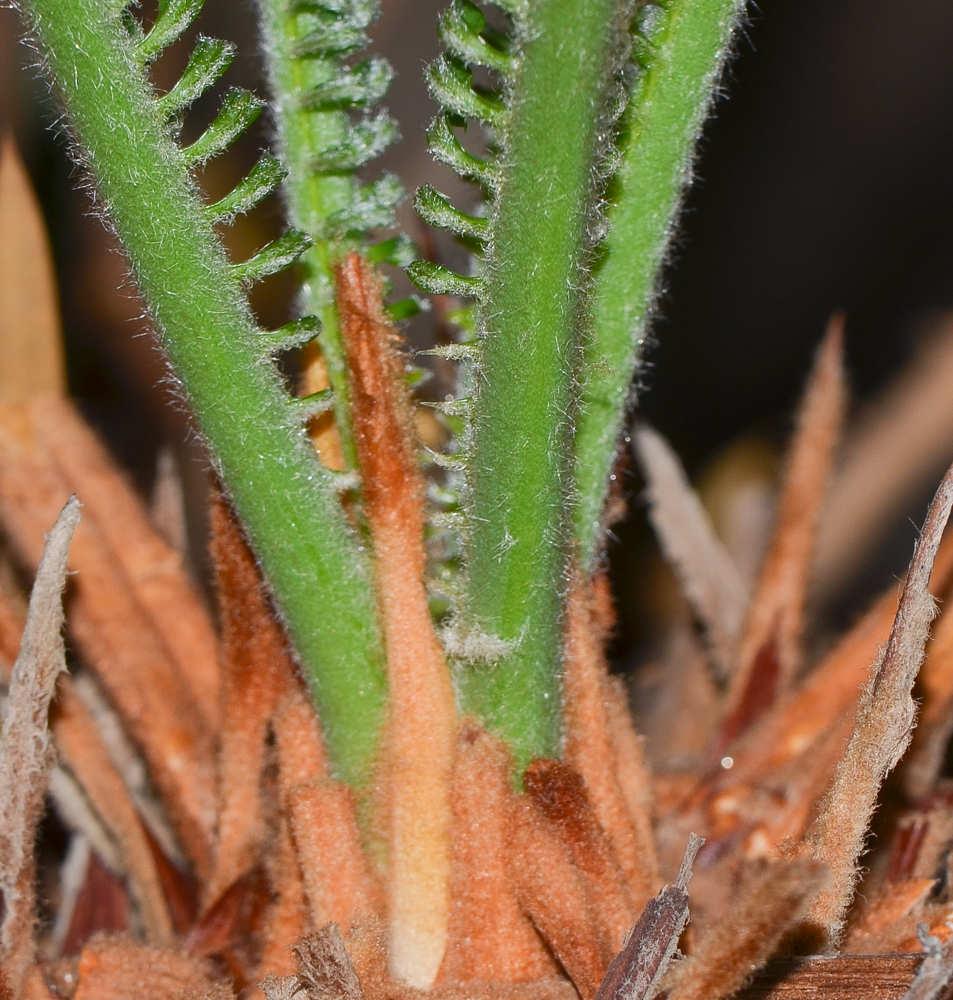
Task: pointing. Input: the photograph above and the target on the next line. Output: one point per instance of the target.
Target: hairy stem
(313, 126)
(682, 61)
(521, 464)
(316, 569)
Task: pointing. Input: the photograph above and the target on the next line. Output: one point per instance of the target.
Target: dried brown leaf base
(211, 891)
(206, 850)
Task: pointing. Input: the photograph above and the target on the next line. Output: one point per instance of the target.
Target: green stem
(313, 198)
(520, 470)
(287, 500)
(672, 97)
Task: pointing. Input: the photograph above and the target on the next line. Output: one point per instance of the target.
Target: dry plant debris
(207, 837)
(26, 752)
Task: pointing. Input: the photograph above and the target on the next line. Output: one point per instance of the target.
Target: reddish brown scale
(257, 670)
(112, 632)
(155, 570)
(421, 732)
(772, 635)
(179, 888)
(229, 930)
(596, 743)
(906, 849)
(117, 969)
(81, 748)
(556, 897)
(758, 695)
(560, 794)
(489, 937)
(101, 906)
(285, 919)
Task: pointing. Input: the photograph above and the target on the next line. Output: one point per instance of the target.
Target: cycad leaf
(275, 257)
(209, 60)
(366, 140)
(452, 86)
(361, 86)
(239, 109)
(435, 209)
(174, 17)
(448, 150)
(263, 178)
(291, 335)
(460, 30)
(435, 279)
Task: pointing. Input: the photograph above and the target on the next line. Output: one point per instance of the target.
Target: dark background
(824, 182)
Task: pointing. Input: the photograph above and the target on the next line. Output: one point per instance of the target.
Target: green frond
(273, 258)
(289, 502)
(435, 279)
(451, 84)
(239, 110)
(290, 336)
(263, 178)
(328, 129)
(447, 149)
(313, 405)
(371, 207)
(461, 30)
(175, 16)
(364, 141)
(209, 60)
(359, 87)
(453, 352)
(435, 209)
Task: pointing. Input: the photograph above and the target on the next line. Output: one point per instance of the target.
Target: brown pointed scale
(556, 897)
(881, 734)
(151, 565)
(898, 446)
(830, 689)
(26, 752)
(770, 897)
(639, 970)
(489, 936)
(560, 795)
(708, 576)
(421, 730)
(923, 764)
(81, 748)
(591, 744)
(257, 671)
(114, 635)
(769, 650)
(30, 337)
(286, 920)
(322, 818)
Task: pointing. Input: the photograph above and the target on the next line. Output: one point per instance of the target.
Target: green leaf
(452, 86)
(209, 60)
(263, 178)
(671, 98)
(435, 209)
(274, 258)
(174, 17)
(435, 279)
(460, 30)
(239, 109)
